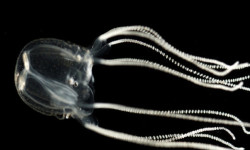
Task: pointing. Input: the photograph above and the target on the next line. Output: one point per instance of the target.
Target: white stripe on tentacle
(150, 34)
(153, 65)
(166, 137)
(178, 64)
(147, 142)
(180, 114)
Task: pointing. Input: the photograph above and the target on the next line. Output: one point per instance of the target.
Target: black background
(219, 31)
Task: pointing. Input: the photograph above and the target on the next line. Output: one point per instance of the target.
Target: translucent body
(55, 77)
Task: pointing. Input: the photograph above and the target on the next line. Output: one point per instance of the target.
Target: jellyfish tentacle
(215, 138)
(137, 28)
(165, 137)
(218, 64)
(202, 130)
(180, 114)
(194, 132)
(147, 142)
(153, 65)
(229, 84)
(168, 47)
(247, 77)
(212, 120)
(239, 67)
(243, 66)
(210, 83)
(226, 83)
(217, 113)
(178, 64)
(127, 40)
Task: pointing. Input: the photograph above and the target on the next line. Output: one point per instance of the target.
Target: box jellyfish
(55, 78)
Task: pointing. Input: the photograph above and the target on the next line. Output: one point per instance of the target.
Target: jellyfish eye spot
(75, 84)
(72, 82)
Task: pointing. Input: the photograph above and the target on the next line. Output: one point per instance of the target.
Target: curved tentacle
(152, 65)
(218, 64)
(180, 114)
(147, 142)
(153, 36)
(163, 138)
(176, 62)
(182, 136)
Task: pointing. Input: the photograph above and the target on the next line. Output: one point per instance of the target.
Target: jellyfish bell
(55, 78)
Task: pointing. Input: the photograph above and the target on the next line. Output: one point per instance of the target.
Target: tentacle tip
(237, 86)
(241, 84)
(247, 132)
(229, 69)
(233, 66)
(241, 148)
(236, 63)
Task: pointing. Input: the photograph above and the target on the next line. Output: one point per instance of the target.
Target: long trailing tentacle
(180, 114)
(147, 142)
(156, 66)
(228, 83)
(201, 60)
(166, 137)
(169, 138)
(147, 30)
(178, 64)
(218, 64)
(171, 49)
(150, 34)
(182, 136)
(210, 83)
(207, 64)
